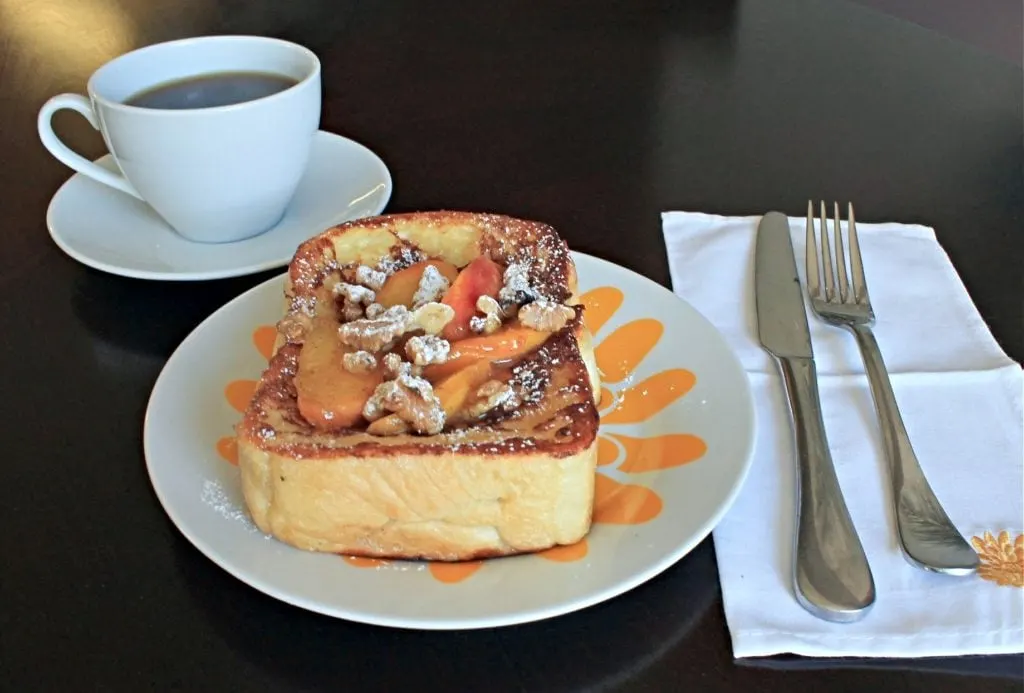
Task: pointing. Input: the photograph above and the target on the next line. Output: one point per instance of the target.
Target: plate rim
(476, 622)
(205, 275)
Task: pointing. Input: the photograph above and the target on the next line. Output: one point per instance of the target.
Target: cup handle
(64, 154)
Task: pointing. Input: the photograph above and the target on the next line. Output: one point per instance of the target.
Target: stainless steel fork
(927, 537)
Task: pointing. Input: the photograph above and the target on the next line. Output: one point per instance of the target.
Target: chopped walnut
(494, 394)
(354, 297)
(379, 333)
(354, 293)
(400, 257)
(374, 310)
(426, 350)
(432, 317)
(516, 289)
(359, 362)
(294, 327)
(368, 277)
(546, 316)
(350, 311)
(412, 399)
(492, 315)
(395, 367)
(432, 286)
(420, 385)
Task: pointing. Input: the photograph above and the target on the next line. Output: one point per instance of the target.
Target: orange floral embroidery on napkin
(1002, 560)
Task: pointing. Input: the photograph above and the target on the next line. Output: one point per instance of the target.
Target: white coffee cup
(215, 174)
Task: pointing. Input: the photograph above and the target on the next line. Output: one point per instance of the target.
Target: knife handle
(831, 575)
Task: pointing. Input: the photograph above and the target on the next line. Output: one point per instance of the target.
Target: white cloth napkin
(960, 396)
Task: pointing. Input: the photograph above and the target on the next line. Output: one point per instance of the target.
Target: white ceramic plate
(668, 510)
(114, 232)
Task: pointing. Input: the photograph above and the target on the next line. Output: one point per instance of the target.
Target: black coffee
(210, 90)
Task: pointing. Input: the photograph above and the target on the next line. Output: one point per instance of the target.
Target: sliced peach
(512, 341)
(401, 286)
(330, 397)
(455, 390)
(480, 277)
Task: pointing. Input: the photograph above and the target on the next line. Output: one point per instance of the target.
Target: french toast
(431, 395)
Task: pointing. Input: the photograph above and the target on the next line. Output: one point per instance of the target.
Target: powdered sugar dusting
(400, 258)
(530, 379)
(517, 287)
(432, 286)
(216, 497)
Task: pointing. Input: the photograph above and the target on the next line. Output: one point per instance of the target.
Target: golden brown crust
(394, 238)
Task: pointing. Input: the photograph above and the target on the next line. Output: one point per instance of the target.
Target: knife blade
(831, 576)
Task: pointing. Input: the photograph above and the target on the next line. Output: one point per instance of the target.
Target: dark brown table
(592, 116)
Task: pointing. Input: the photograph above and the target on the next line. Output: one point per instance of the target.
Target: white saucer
(113, 232)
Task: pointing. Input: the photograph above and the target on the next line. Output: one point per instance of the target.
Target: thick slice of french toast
(431, 395)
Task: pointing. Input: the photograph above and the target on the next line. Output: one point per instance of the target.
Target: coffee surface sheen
(211, 90)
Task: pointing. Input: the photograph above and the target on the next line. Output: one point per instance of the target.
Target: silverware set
(832, 577)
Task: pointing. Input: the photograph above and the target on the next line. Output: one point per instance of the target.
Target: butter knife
(831, 576)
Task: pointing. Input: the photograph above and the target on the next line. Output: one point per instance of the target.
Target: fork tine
(826, 257)
(844, 285)
(860, 285)
(811, 253)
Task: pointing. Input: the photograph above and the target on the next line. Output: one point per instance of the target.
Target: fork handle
(927, 537)
(832, 578)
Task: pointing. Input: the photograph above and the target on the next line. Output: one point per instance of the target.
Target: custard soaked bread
(431, 394)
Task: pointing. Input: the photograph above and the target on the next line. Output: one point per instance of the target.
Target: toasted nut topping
(380, 333)
(358, 362)
(432, 317)
(412, 399)
(350, 311)
(376, 334)
(545, 316)
(353, 298)
(394, 366)
(354, 293)
(491, 320)
(432, 286)
(294, 327)
(488, 306)
(516, 289)
(426, 350)
(363, 276)
(374, 310)
(494, 394)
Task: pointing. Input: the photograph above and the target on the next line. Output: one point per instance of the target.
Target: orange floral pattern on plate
(238, 393)
(1002, 560)
(622, 402)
